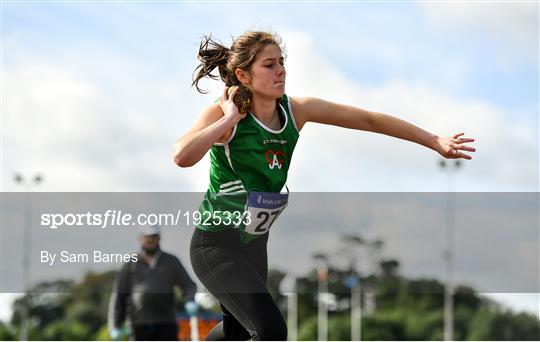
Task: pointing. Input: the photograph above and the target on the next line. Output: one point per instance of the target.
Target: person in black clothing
(143, 290)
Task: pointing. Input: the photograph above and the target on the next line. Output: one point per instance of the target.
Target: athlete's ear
(242, 75)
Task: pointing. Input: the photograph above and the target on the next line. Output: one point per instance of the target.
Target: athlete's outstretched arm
(309, 109)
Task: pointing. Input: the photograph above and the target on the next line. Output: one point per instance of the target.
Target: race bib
(264, 208)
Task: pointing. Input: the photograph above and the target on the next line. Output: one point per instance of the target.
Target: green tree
(46, 302)
(65, 310)
(503, 325)
(7, 332)
(382, 326)
(66, 331)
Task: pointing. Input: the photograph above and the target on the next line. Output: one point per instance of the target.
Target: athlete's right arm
(215, 124)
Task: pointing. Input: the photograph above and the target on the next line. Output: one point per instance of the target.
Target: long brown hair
(241, 55)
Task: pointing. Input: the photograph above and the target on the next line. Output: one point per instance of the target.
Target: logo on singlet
(275, 159)
(274, 141)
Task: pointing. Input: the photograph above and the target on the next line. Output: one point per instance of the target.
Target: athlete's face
(267, 75)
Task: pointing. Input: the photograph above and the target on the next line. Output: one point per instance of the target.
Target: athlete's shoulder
(208, 116)
(284, 99)
(213, 109)
(302, 108)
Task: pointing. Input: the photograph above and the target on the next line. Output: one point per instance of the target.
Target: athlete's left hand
(450, 147)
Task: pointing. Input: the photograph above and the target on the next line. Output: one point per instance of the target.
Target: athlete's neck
(266, 111)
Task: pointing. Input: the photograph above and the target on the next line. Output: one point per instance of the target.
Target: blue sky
(95, 94)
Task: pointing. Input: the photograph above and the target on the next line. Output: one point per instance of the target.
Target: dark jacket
(145, 292)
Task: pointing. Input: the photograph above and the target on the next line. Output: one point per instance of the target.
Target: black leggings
(236, 275)
(156, 332)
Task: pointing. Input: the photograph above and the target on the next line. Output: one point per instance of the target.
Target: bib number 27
(264, 209)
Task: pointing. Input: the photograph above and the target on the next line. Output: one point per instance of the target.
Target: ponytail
(213, 55)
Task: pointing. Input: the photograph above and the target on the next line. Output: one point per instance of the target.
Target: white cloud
(95, 124)
(6, 302)
(511, 25)
(50, 116)
(512, 20)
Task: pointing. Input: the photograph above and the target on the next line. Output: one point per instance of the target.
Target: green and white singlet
(254, 160)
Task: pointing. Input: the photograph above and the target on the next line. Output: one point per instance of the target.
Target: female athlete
(250, 155)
